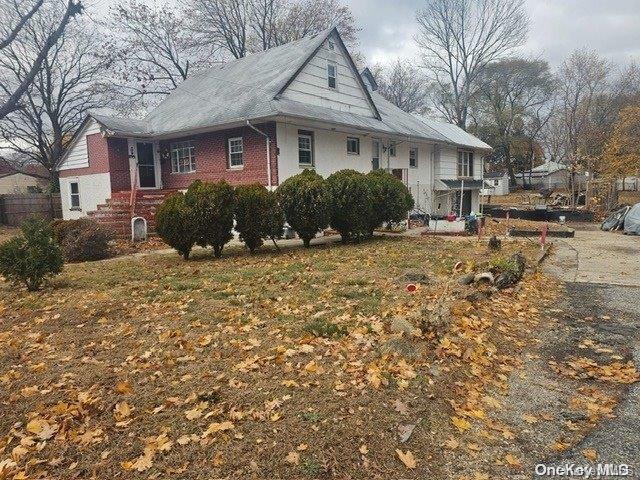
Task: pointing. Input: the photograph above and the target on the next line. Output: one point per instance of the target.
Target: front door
(466, 202)
(375, 155)
(146, 165)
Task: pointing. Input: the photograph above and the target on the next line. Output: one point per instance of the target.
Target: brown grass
(166, 336)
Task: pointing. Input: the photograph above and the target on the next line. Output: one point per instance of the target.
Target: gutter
(268, 151)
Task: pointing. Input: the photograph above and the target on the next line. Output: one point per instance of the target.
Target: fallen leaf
(400, 407)
(407, 458)
(217, 427)
(513, 460)
(461, 423)
(293, 458)
(590, 454)
(363, 449)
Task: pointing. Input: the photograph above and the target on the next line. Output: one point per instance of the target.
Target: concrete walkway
(594, 256)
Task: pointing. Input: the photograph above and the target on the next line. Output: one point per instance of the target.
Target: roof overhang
(458, 184)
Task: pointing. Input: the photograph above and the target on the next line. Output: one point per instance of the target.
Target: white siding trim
(77, 155)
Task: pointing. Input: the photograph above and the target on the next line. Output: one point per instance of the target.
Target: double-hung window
(353, 145)
(465, 163)
(305, 148)
(235, 152)
(332, 74)
(392, 149)
(183, 157)
(74, 195)
(413, 157)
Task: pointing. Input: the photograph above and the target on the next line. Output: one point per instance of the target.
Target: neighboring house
(496, 183)
(15, 182)
(262, 119)
(548, 175)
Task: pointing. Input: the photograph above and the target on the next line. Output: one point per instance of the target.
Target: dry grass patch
(277, 365)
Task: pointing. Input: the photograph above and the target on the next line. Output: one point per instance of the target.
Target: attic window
(332, 45)
(332, 74)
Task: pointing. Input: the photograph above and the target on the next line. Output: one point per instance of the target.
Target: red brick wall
(119, 164)
(98, 152)
(212, 158)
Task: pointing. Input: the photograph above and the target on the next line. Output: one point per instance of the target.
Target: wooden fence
(15, 208)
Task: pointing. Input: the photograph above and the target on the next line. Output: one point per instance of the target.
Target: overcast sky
(612, 27)
(388, 27)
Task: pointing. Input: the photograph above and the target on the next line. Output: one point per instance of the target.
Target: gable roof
(251, 88)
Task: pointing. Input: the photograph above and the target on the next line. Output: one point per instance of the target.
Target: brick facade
(106, 155)
(98, 155)
(212, 162)
(119, 164)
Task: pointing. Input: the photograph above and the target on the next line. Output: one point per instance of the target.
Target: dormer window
(332, 76)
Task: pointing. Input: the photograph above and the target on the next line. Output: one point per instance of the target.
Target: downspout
(268, 152)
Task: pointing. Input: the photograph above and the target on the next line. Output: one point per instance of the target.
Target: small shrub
(322, 328)
(258, 215)
(83, 239)
(391, 200)
(305, 204)
(174, 224)
(32, 257)
(350, 204)
(211, 206)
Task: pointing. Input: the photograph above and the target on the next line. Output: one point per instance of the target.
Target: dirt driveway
(594, 256)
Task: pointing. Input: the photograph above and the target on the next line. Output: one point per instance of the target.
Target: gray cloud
(557, 27)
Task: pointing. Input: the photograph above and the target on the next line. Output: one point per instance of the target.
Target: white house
(262, 119)
(495, 183)
(548, 175)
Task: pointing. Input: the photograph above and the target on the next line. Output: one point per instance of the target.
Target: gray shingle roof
(455, 134)
(248, 89)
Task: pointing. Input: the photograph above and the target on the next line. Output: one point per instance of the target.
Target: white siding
(94, 189)
(77, 156)
(447, 166)
(330, 155)
(310, 86)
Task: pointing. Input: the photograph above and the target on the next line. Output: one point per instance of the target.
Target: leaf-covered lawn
(278, 365)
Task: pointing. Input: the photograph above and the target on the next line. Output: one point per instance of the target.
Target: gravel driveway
(602, 275)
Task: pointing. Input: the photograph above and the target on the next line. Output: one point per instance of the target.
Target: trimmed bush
(253, 215)
(305, 203)
(174, 224)
(350, 204)
(390, 199)
(83, 239)
(211, 206)
(32, 257)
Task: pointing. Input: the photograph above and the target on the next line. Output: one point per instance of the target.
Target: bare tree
(583, 82)
(222, 25)
(57, 101)
(150, 51)
(459, 38)
(239, 27)
(15, 16)
(307, 17)
(512, 102)
(404, 85)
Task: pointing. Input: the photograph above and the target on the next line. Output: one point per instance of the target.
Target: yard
(297, 364)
